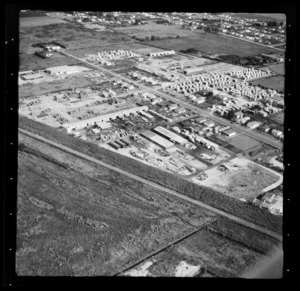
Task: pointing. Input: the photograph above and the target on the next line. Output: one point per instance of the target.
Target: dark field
(84, 220)
(32, 62)
(73, 34)
(275, 82)
(221, 249)
(215, 254)
(213, 43)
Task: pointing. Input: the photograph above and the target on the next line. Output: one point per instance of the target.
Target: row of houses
(111, 55)
(138, 76)
(249, 74)
(224, 82)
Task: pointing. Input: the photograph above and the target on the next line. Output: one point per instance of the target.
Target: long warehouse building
(171, 135)
(164, 143)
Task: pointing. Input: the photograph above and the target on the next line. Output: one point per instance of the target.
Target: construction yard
(76, 218)
(250, 181)
(174, 160)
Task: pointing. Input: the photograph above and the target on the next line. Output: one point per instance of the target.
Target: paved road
(220, 120)
(154, 185)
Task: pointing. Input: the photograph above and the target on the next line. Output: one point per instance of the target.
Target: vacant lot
(274, 82)
(44, 88)
(279, 68)
(75, 35)
(244, 179)
(80, 219)
(278, 117)
(213, 43)
(33, 62)
(241, 142)
(160, 30)
(205, 252)
(39, 21)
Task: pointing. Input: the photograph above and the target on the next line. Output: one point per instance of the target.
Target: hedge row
(206, 195)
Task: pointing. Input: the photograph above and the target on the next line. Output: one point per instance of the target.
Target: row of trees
(206, 195)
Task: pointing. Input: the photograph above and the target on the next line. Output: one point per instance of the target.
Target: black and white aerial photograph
(150, 144)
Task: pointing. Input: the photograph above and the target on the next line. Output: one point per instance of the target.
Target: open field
(244, 179)
(32, 62)
(203, 252)
(45, 88)
(243, 235)
(73, 34)
(213, 43)
(277, 117)
(278, 68)
(160, 30)
(75, 223)
(39, 21)
(241, 141)
(274, 82)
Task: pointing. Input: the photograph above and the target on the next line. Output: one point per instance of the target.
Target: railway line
(154, 185)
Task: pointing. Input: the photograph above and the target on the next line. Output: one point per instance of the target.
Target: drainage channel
(164, 248)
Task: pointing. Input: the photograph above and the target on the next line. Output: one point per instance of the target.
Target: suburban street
(246, 131)
(171, 192)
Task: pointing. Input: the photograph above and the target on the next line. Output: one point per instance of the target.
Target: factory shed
(171, 135)
(229, 132)
(164, 143)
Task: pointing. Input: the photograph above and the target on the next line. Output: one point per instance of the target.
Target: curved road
(223, 121)
(154, 185)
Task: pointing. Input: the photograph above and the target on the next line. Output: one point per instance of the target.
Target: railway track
(157, 186)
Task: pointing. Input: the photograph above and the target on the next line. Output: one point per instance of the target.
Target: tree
(271, 23)
(153, 37)
(147, 38)
(230, 115)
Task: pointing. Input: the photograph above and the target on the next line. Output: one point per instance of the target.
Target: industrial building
(103, 118)
(65, 70)
(253, 124)
(44, 54)
(193, 71)
(164, 143)
(229, 132)
(206, 142)
(163, 53)
(170, 135)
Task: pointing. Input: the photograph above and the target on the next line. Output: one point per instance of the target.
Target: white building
(163, 53)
